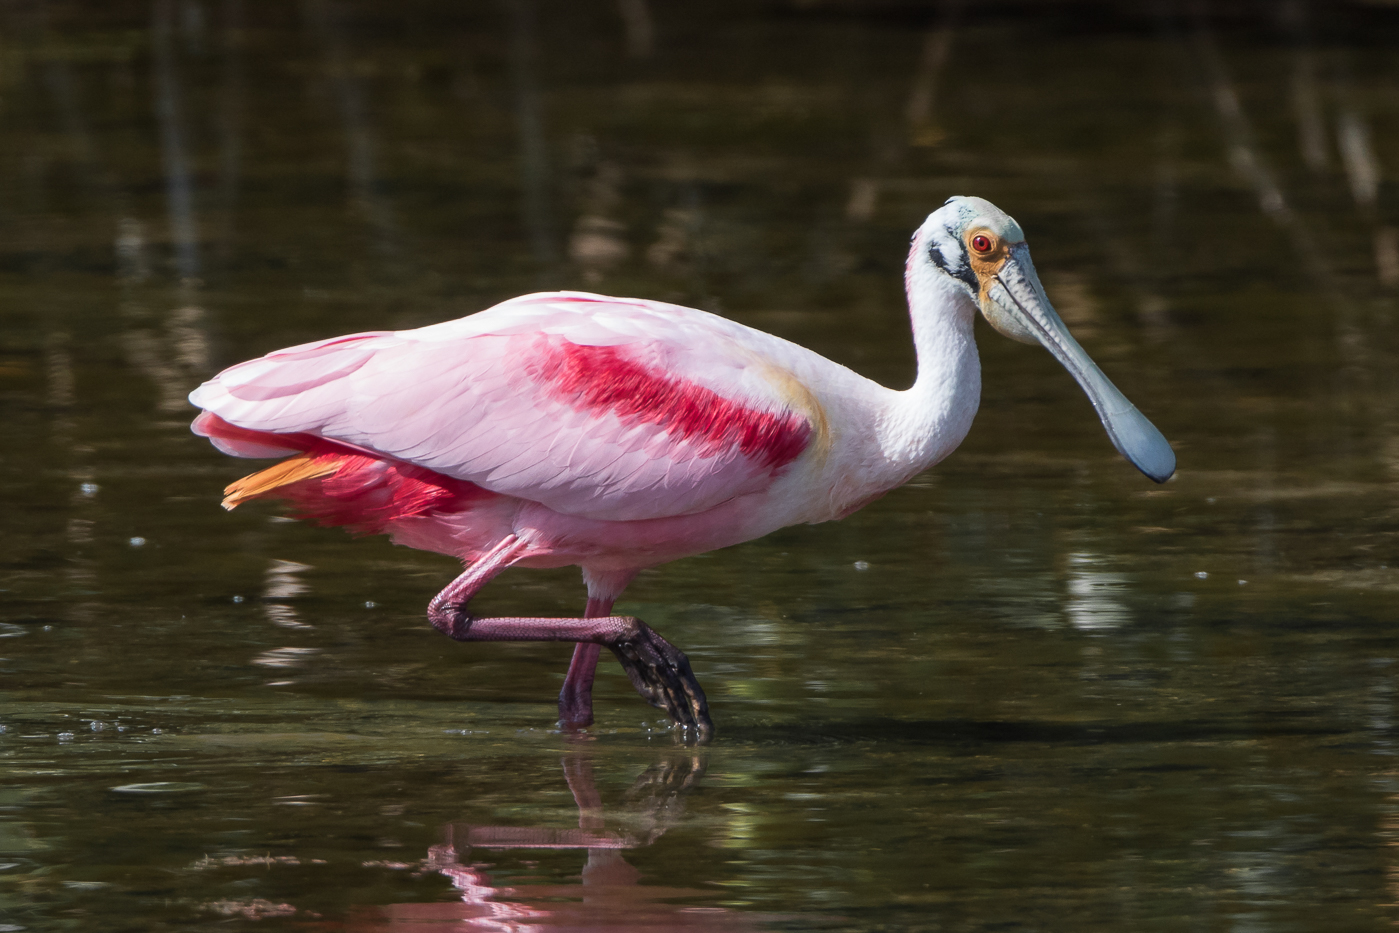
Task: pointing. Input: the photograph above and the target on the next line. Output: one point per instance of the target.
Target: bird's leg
(658, 670)
(447, 611)
(576, 697)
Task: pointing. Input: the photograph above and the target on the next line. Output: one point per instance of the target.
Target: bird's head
(982, 250)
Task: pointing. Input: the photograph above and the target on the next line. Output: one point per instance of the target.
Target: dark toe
(661, 673)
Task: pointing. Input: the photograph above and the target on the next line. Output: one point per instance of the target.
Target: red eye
(981, 243)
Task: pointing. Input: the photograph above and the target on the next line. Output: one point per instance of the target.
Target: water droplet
(137, 542)
(237, 599)
(1243, 583)
(89, 489)
(370, 604)
(862, 565)
(157, 732)
(1201, 575)
(65, 737)
(96, 726)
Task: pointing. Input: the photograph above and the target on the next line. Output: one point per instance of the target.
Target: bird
(617, 434)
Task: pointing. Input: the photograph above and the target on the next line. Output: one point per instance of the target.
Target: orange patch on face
(985, 263)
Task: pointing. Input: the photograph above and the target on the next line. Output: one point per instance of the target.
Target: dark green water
(1031, 691)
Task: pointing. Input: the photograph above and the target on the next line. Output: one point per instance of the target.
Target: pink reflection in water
(608, 898)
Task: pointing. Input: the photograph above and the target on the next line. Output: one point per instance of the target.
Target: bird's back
(602, 408)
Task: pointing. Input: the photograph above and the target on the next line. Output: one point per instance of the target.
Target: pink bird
(617, 434)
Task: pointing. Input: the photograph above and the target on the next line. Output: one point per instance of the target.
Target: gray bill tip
(1140, 442)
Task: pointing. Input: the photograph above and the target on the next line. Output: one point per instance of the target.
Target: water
(1029, 691)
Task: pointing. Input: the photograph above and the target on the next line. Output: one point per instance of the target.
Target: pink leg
(658, 670)
(576, 697)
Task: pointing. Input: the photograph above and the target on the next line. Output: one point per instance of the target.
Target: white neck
(929, 420)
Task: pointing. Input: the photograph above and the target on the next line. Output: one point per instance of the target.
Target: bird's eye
(981, 243)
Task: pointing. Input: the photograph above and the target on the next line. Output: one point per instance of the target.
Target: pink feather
(604, 409)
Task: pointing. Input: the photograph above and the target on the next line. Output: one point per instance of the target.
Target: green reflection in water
(1029, 691)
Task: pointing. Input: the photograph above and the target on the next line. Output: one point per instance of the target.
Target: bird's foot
(573, 718)
(661, 673)
(575, 714)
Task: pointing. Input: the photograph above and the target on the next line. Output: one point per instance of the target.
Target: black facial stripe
(963, 274)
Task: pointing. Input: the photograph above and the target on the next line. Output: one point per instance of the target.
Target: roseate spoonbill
(617, 434)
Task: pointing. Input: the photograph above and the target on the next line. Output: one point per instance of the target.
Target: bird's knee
(452, 621)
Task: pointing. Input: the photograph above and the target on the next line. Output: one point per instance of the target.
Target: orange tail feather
(295, 469)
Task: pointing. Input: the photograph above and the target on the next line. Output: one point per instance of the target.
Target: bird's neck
(929, 420)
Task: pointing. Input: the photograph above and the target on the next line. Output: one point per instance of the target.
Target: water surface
(1029, 691)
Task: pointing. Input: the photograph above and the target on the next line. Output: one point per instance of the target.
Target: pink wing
(598, 407)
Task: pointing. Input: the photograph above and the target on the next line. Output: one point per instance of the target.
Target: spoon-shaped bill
(1017, 293)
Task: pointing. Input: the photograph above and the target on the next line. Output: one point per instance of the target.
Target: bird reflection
(608, 897)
